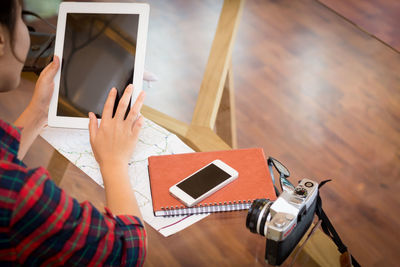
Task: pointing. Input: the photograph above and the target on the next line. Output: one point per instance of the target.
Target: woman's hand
(114, 141)
(34, 117)
(44, 88)
(113, 144)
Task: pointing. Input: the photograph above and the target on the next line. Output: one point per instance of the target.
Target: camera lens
(252, 214)
(257, 215)
(263, 219)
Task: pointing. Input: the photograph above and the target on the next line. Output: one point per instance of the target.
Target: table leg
(225, 124)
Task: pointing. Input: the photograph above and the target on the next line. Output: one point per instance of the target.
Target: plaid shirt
(41, 225)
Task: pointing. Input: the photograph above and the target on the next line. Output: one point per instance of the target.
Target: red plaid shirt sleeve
(41, 225)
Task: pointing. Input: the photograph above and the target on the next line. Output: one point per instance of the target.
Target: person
(39, 223)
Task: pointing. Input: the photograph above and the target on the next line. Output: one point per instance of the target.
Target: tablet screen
(98, 54)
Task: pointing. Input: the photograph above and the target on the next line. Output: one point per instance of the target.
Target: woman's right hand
(114, 141)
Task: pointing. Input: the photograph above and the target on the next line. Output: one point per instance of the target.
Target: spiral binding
(204, 208)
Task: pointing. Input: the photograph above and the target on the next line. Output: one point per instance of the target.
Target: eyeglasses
(283, 175)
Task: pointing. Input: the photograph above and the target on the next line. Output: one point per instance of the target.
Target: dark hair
(8, 18)
(8, 15)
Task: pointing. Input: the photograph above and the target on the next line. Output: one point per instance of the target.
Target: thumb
(93, 126)
(54, 66)
(51, 70)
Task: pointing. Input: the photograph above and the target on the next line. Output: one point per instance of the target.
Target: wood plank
(225, 125)
(318, 250)
(204, 139)
(379, 18)
(211, 88)
(57, 166)
(173, 125)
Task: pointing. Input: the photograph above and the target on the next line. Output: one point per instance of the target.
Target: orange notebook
(254, 181)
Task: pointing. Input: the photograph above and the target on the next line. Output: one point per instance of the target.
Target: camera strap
(328, 228)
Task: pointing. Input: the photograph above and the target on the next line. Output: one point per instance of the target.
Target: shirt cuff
(10, 136)
(124, 220)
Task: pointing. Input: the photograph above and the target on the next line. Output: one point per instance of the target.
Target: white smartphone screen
(203, 181)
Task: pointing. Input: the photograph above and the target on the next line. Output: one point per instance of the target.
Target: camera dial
(280, 222)
(308, 184)
(300, 191)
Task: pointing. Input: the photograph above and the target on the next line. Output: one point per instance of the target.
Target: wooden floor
(312, 89)
(378, 18)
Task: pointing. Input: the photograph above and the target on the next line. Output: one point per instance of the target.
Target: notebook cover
(254, 180)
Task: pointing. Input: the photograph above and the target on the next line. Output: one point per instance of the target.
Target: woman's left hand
(34, 117)
(44, 90)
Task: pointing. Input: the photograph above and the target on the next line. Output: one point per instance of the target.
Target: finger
(137, 126)
(133, 113)
(124, 102)
(109, 105)
(51, 69)
(93, 126)
(54, 66)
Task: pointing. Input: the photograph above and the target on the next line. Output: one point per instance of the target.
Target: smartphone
(203, 182)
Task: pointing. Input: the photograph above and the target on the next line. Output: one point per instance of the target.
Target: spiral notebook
(254, 181)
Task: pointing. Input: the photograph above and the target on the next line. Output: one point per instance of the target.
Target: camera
(283, 221)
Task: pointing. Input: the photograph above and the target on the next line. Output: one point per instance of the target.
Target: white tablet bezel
(97, 8)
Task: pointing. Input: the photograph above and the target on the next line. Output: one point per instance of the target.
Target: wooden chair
(215, 106)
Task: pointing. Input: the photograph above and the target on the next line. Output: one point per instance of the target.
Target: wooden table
(220, 239)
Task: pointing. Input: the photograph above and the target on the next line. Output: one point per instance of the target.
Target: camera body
(284, 221)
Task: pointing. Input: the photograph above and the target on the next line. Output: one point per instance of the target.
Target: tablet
(100, 46)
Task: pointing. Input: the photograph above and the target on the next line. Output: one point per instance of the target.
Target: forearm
(31, 122)
(120, 196)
